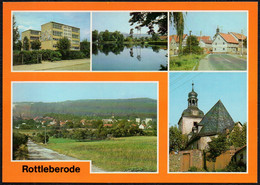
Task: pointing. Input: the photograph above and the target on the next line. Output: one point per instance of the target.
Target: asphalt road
(38, 152)
(222, 62)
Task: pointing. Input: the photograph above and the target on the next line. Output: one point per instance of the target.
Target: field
(138, 153)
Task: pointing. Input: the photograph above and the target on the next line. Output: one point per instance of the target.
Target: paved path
(222, 62)
(69, 65)
(38, 152)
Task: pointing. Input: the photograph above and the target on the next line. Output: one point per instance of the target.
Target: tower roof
(216, 121)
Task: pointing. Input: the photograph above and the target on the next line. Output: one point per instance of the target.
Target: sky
(56, 92)
(229, 87)
(34, 20)
(207, 22)
(114, 21)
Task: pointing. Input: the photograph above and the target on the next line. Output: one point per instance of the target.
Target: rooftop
(228, 38)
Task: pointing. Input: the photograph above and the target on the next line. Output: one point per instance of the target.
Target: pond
(122, 57)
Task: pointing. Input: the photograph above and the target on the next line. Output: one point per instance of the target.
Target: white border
(88, 82)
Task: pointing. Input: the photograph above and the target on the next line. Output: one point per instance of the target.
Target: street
(222, 62)
(37, 152)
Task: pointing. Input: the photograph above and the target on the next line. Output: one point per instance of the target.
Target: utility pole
(45, 136)
(190, 42)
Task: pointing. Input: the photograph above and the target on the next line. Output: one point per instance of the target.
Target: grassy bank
(185, 62)
(137, 153)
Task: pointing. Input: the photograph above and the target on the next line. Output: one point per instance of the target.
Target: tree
(25, 43)
(177, 19)
(18, 46)
(192, 46)
(85, 47)
(217, 146)
(178, 141)
(16, 33)
(155, 37)
(237, 137)
(150, 19)
(245, 43)
(131, 33)
(94, 36)
(63, 44)
(106, 35)
(36, 45)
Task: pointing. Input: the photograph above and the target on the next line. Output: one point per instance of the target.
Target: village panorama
(118, 135)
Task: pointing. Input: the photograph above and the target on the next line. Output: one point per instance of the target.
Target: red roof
(108, 125)
(163, 37)
(228, 38)
(176, 38)
(239, 36)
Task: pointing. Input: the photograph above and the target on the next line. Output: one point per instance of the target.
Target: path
(68, 65)
(38, 152)
(222, 62)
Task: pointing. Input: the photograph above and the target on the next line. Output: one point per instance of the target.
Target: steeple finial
(192, 86)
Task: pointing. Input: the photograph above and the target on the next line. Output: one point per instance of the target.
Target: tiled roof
(228, 38)
(239, 35)
(176, 38)
(216, 121)
(205, 39)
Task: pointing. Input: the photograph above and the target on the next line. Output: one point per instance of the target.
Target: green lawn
(138, 153)
(185, 62)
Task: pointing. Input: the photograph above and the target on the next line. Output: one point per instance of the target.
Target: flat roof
(61, 24)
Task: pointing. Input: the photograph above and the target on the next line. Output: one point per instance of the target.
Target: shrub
(193, 169)
(19, 143)
(40, 138)
(236, 167)
(68, 55)
(51, 55)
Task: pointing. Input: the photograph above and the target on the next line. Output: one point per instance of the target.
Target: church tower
(192, 115)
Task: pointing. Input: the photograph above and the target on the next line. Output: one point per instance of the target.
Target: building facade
(52, 32)
(31, 35)
(225, 43)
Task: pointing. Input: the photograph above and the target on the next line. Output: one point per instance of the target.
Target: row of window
(75, 36)
(57, 26)
(35, 32)
(217, 43)
(57, 33)
(76, 30)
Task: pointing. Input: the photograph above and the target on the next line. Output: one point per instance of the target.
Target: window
(34, 38)
(35, 32)
(56, 39)
(224, 49)
(75, 36)
(215, 49)
(216, 44)
(75, 30)
(57, 26)
(57, 33)
(223, 43)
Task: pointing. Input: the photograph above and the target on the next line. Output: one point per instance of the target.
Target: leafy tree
(217, 146)
(63, 44)
(94, 36)
(106, 35)
(36, 45)
(150, 19)
(85, 47)
(192, 46)
(18, 45)
(177, 19)
(25, 43)
(237, 137)
(178, 141)
(16, 33)
(245, 43)
(155, 37)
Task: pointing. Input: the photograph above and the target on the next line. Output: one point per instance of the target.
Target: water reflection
(119, 56)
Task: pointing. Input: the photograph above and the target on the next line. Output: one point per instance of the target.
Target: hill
(99, 107)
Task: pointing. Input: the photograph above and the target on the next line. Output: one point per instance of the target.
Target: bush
(68, 55)
(158, 43)
(235, 167)
(51, 55)
(19, 143)
(40, 138)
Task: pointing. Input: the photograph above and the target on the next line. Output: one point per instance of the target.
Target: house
(108, 125)
(225, 43)
(205, 42)
(142, 126)
(147, 120)
(137, 120)
(241, 39)
(240, 155)
(174, 43)
(32, 35)
(62, 123)
(107, 120)
(163, 37)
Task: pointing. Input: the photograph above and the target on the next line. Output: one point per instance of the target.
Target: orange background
(12, 171)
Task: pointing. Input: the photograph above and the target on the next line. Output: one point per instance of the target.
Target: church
(199, 127)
